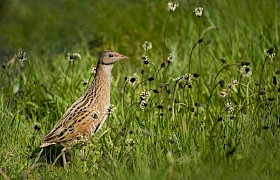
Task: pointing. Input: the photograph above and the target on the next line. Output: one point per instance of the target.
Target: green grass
(182, 133)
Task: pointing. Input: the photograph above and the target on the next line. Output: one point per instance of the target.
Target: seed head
(144, 99)
(188, 79)
(172, 6)
(74, 57)
(143, 104)
(223, 60)
(195, 75)
(160, 107)
(151, 78)
(145, 59)
(270, 53)
(111, 109)
(223, 94)
(144, 95)
(232, 85)
(155, 91)
(198, 11)
(229, 107)
(246, 71)
(131, 142)
(245, 63)
(21, 56)
(222, 83)
(147, 45)
(170, 58)
(37, 127)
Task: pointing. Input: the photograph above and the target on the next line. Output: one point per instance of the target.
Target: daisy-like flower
(147, 45)
(270, 53)
(172, 6)
(74, 57)
(229, 107)
(198, 11)
(21, 56)
(132, 80)
(170, 58)
(246, 71)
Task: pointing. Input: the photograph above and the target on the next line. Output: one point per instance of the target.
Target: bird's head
(110, 57)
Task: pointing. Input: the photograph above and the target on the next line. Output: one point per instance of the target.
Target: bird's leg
(63, 151)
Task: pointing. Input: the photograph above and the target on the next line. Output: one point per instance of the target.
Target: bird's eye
(110, 55)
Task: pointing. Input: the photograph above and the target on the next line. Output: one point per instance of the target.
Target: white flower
(229, 107)
(246, 71)
(170, 58)
(144, 95)
(270, 53)
(143, 104)
(145, 59)
(147, 45)
(198, 11)
(188, 78)
(172, 6)
(223, 94)
(132, 80)
(74, 57)
(144, 99)
(21, 56)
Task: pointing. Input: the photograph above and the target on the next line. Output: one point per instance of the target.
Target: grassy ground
(206, 127)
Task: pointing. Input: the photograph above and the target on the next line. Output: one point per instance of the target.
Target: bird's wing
(80, 126)
(78, 120)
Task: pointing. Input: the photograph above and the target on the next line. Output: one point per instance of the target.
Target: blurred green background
(66, 25)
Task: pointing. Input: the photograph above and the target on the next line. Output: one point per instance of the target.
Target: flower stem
(164, 35)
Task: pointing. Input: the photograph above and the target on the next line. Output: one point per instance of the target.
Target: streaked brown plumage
(84, 118)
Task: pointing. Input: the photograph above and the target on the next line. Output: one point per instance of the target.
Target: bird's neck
(100, 87)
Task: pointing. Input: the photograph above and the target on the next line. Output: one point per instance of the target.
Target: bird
(85, 116)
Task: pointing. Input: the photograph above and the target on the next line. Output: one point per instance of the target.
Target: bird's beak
(120, 56)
